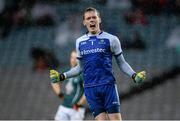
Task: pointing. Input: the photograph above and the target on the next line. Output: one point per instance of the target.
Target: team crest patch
(101, 41)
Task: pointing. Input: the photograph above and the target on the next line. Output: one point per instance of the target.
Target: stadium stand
(158, 103)
(25, 94)
(28, 95)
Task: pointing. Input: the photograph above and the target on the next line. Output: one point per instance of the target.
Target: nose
(91, 19)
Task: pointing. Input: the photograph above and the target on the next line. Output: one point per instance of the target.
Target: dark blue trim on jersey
(79, 58)
(94, 35)
(118, 54)
(100, 32)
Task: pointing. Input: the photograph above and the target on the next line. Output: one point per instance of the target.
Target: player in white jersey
(95, 50)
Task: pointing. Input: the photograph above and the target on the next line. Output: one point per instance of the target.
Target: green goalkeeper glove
(56, 76)
(139, 77)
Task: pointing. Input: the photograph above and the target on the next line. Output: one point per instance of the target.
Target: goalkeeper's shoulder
(81, 38)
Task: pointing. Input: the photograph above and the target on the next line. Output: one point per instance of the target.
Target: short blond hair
(89, 9)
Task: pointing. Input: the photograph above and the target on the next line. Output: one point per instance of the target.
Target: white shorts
(65, 113)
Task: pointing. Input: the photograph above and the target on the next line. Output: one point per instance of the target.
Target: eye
(88, 18)
(94, 17)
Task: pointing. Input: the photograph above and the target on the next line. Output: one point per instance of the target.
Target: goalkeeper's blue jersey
(95, 53)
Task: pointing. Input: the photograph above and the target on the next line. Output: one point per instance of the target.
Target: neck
(95, 32)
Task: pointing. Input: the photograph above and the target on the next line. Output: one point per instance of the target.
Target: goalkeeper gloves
(139, 77)
(56, 76)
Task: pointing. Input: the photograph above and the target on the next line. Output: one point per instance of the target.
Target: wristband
(61, 77)
(133, 77)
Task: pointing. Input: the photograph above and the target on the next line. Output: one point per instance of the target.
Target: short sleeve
(116, 46)
(79, 79)
(77, 50)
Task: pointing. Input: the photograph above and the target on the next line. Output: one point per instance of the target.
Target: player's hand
(139, 77)
(56, 76)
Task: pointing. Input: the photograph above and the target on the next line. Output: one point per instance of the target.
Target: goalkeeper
(95, 50)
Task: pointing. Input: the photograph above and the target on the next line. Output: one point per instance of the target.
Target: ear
(84, 23)
(99, 20)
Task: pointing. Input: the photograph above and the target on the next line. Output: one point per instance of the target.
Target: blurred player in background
(73, 97)
(95, 50)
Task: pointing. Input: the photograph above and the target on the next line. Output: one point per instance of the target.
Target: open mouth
(92, 26)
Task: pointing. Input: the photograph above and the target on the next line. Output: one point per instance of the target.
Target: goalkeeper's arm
(74, 71)
(57, 77)
(126, 68)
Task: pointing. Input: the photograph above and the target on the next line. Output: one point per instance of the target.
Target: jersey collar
(91, 35)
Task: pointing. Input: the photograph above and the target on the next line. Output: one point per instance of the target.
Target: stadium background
(36, 35)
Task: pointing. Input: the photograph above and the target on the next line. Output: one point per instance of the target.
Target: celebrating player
(95, 50)
(73, 97)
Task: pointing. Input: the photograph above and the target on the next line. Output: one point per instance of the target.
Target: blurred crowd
(42, 12)
(140, 9)
(15, 13)
(25, 12)
(157, 7)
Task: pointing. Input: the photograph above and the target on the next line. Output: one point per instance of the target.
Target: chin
(93, 32)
